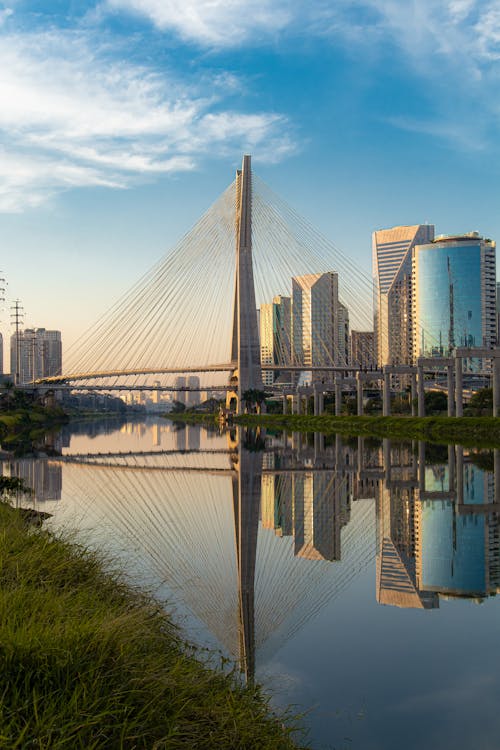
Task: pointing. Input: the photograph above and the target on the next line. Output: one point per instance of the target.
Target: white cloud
(71, 116)
(219, 23)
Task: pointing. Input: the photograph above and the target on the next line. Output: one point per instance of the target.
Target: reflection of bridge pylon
(245, 348)
(246, 501)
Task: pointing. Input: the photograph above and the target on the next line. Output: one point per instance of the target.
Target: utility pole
(17, 319)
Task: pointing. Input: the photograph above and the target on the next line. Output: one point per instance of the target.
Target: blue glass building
(454, 294)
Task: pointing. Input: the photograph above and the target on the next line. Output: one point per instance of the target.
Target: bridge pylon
(245, 347)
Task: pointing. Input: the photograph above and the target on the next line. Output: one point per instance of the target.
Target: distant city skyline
(123, 120)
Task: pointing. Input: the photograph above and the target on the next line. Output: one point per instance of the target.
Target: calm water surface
(356, 579)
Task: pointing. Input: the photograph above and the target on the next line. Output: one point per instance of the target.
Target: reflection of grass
(470, 431)
(86, 662)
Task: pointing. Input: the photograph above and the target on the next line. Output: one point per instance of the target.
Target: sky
(122, 121)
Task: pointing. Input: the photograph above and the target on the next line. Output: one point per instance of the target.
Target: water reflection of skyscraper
(438, 530)
(40, 475)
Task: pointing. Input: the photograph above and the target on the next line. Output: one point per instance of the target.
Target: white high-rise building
(35, 353)
(392, 274)
(319, 321)
(275, 336)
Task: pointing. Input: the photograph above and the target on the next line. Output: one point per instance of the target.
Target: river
(354, 578)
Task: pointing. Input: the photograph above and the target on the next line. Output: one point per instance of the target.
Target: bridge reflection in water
(257, 535)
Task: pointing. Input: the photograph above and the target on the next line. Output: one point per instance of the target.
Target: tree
(435, 402)
(254, 397)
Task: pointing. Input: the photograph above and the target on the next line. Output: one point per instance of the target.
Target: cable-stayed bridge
(195, 313)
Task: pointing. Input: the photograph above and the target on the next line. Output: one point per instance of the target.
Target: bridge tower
(245, 348)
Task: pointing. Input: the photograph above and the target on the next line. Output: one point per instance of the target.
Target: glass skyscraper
(392, 276)
(454, 294)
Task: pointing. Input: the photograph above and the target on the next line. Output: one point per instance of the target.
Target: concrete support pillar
(285, 404)
(460, 475)
(386, 395)
(451, 390)
(319, 445)
(321, 402)
(496, 475)
(359, 393)
(338, 396)
(361, 454)
(386, 450)
(421, 466)
(421, 391)
(451, 468)
(338, 452)
(295, 404)
(496, 387)
(414, 408)
(459, 403)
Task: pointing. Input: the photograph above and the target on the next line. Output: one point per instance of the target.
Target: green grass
(87, 662)
(468, 431)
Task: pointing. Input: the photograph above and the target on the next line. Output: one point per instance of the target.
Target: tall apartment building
(35, 353)
(275, 321)
(454, 294)
(319, 321)
(392, 274)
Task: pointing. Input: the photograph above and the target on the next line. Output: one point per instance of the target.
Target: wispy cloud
(73, 113)
(220, 23)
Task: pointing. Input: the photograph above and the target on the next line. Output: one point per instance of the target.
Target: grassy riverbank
(86, 662)
(469, 431)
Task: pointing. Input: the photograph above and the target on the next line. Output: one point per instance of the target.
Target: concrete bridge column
(319, 445)
(496, 388)
(295, 404)
(321, 402)
(338, 395)
(386, 394)
(460, 474)
(421, 466)
(361, 454)
(421, 391)
(285, 404)
(451, 468)
(359, 393)
(496, 474)
(413, 394)
(459, 387)
(386, 450)
(451, 394)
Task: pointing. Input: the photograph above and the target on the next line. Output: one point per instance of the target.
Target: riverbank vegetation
(87, 662)
(469, 431)
(24, 418)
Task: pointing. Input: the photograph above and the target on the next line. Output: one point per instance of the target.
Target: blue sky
(121, 121)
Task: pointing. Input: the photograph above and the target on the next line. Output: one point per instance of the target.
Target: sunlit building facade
(392, 275)
(35, 353)
(319, 321)
(454, 294)
(275, 321)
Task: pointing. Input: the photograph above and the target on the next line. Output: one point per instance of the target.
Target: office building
(392, 274)
(362, 349)
(454, 294)
(498, 312)
(275, 336)
(181, 393)
(343, 334)
(193, 396)
(319, 322)
(35, 353)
